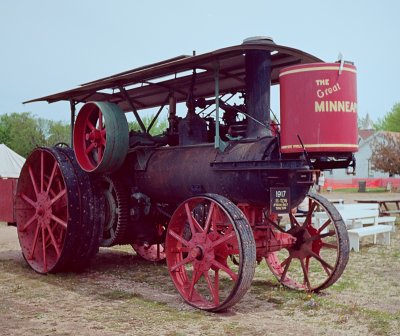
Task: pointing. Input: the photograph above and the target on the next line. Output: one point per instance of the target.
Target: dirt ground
(120, 294)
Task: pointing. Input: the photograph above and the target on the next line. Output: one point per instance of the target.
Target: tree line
(22, 132)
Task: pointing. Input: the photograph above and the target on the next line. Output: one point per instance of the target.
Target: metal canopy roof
(150, 85)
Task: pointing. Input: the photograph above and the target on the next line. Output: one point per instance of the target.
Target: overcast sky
(50, 46)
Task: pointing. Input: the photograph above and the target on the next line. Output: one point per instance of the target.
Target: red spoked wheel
(321, 251)
(53, 225)
(202, 236)
(101, 137)
(42, 211)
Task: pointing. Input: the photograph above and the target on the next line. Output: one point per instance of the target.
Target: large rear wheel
(56, 228)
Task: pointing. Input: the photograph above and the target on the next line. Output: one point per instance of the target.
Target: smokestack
(258, 86)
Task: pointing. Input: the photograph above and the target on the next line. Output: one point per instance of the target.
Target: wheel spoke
(320, 236)
(90, 125)
(90, 147)
(35, 239)
(329, 245)
(327, 267)
(179, 238)
(44, 249)
(28, 223)
(58, 196)
(285, 263)
(307, 264)
(53, 240)
(226, 269)
(323, 227)
(311, 209)
(59, 221)
(209, 217)
(33, 180)
(275, 225)
(192, 222)
(328, 234)
(214, 290)
(185, 261)
(225, 238)
(196, 275)
(28, 200)
(293, 221)
(305, 273)
(53, 173)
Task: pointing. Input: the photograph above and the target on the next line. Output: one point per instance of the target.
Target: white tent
(10, 162)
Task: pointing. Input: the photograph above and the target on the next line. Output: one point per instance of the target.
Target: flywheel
(101, 137)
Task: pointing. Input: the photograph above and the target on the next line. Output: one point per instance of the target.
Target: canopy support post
(218, 143)
(72, 104)
(134, 110)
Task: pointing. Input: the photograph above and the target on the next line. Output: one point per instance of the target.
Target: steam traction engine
(216, 192)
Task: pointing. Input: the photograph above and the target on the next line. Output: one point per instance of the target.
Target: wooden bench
(383, 232)
(358, 215)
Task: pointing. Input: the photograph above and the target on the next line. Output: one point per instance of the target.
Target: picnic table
(383, 204)
(361, 220)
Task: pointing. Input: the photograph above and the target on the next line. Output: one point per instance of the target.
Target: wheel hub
(43, 209)
(302, 248)
(197, 253)
(94, 136)
(201, 251)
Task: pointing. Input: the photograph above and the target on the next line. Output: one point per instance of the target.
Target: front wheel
(202, 236)
(320, 253)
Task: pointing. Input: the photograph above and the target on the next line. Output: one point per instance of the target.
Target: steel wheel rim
(42, 211)
(320, 254)
(198, 258)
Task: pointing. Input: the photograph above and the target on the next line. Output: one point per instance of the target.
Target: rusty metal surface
(153, 93)
(243, 174)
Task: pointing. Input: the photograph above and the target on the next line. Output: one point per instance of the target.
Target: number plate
(280, 200)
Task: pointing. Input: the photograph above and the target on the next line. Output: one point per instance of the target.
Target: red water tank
(319, 105)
